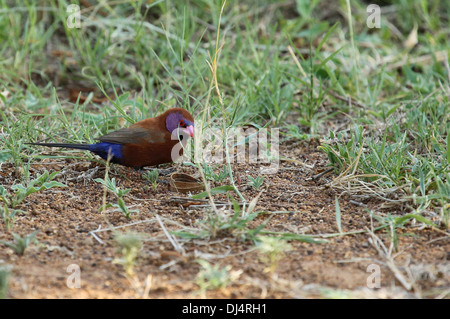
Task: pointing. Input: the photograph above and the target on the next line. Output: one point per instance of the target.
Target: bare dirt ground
(338, 267)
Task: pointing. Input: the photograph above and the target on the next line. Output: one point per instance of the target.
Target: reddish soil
(65, 218)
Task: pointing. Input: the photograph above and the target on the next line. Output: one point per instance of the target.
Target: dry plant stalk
(386, 254)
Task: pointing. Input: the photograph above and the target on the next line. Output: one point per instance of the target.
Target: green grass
(314, 69)
(377, 101)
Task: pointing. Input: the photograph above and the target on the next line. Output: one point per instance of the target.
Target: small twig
(296, 61)
(386, 254)
(218, 205)
(357, 203)
(196, 203)
(143, 289)
(317, 176)
(286, 159)
(122, 226)
(437, 239)
(171, 238)
(95, 236)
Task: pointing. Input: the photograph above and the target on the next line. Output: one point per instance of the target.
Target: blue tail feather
(101, 149)
(105, 148)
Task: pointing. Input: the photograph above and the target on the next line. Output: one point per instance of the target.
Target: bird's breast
(149, 154)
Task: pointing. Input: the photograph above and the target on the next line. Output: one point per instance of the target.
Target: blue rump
(102, 150)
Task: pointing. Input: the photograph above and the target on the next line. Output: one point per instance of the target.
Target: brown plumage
(145, 143)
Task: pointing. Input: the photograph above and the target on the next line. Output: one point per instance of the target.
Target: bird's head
(178, 118)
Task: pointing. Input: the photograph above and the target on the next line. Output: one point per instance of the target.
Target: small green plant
(129, 246)
(211, 175)
(233, 222)
(392, 164)
(213, 277)
(20, 192)
(152, 177)
(20, 243)
(8, 215)
(257, 182)
(272, 250)
(394, 223)
(110, 184)
(5, 272)
(124, 208)
(227, 223)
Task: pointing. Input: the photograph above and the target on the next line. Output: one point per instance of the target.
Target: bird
(148, 142)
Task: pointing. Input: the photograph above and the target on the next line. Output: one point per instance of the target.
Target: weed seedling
(110, 184)
(152, 177)
(213, 277)
(20, 192)
(20, 243)
(257, 182)
(5, 271)
(272, 250)
(211, 175)
(8, 215)
(129, 246)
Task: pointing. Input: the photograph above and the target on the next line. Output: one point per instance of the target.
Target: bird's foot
(166, 171)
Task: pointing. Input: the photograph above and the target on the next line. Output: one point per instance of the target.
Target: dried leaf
(185, 183)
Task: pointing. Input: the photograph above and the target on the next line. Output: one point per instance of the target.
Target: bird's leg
(163, 182)
(139, 169)
(165, 171)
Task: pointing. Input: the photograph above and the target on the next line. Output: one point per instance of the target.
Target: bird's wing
(132, 135)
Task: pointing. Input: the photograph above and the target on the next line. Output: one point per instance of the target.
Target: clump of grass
(388, 168)
(393, 223)
(234, 222)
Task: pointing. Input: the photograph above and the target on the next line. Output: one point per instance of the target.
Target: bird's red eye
(182, 124)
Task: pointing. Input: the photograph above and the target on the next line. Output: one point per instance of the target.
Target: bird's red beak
(190, 130)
